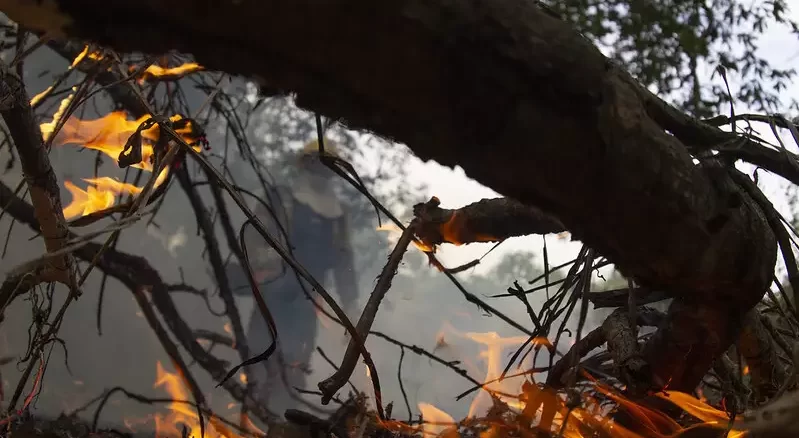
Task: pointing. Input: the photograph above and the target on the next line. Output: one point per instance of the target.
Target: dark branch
(489, 220)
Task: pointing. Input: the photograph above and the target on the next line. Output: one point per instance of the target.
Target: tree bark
(42, 186)
(518, 99)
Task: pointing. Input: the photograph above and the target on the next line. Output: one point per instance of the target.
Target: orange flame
(248, 425)
(492, 355)
(701, 410)
(183, 414)
(394, 235)
(453, 231)
(549, 408)
(156, 71)
(81, 56)
(108, 135)
(99, 195)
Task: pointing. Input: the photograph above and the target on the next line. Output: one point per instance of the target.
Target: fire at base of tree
(142, 142)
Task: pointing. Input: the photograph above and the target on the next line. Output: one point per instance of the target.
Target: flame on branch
(488, 220)
(99, 195)
(109, 135)
(182, 414)
(84, 54)
(155, 72)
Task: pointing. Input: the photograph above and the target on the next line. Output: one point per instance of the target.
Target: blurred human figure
(316, 225)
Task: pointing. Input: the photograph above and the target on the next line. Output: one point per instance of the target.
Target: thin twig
(333, 383)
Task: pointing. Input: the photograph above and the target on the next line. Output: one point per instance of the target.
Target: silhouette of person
(313, 218)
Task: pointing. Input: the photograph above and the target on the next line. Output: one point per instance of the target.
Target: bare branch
(39, 176)
(333, 383)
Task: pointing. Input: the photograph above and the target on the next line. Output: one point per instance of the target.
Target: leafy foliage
(673, 44)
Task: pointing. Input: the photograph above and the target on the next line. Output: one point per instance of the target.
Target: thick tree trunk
(516, 97)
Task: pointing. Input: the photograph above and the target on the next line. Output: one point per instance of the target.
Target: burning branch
(41, 180)
(489, 220)
(156, 73)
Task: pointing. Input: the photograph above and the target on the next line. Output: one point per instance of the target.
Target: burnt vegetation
(516, 93)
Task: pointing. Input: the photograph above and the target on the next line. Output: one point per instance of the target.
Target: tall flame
(183, 414)
(492, 355)
(108, 135)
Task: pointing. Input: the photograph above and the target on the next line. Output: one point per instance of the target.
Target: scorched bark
(516, 97)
